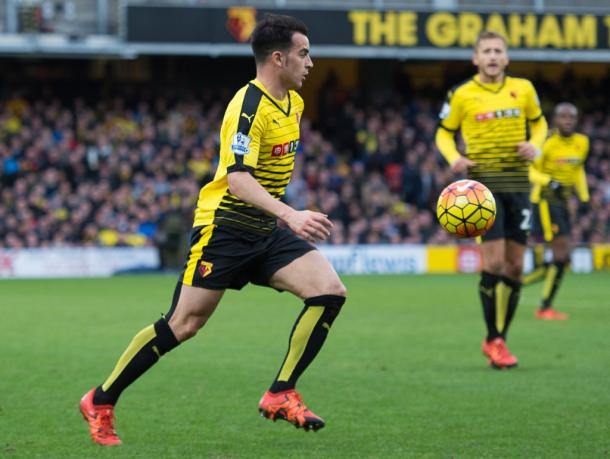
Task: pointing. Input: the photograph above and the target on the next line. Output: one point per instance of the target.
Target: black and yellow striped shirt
(493, 120)
(562, 160)
(260, 135)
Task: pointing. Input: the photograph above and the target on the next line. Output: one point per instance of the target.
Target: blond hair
(487, 35)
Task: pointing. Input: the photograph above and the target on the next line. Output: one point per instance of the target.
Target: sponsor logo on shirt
(499, 114)
(285, 148)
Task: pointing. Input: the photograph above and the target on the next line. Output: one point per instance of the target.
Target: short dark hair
(487, 35)
(274, 33)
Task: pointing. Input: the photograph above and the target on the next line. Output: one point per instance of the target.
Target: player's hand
(311, 226)
(527, 150)
(461, 164)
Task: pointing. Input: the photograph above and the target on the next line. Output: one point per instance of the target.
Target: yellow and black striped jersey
(562, 160)
(493, 119)
(259, 134)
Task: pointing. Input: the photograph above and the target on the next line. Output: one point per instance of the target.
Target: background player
(555, 174)
(235, 239)
(493, 111)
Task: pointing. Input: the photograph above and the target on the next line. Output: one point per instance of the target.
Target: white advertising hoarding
(377, 259)
(76, 261)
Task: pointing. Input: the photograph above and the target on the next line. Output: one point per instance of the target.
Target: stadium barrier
(420, 259)
(76, 261)
(347, 259)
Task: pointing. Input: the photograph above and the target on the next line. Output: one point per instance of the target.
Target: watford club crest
(241, 23)
(205, 268)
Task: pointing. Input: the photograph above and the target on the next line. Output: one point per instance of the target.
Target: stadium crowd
(127, 170)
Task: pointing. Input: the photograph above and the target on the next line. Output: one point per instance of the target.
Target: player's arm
(242, 146)
(450, 121)
(312, 226)
(580, 184)
(537, 125)
(537, 177)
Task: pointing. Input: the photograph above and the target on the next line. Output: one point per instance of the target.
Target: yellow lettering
(522, 30)
(359, 20)
(580, 35)
(441, 29)
(470, 25)
(407, 28)
(607, 24)
(549, 33)
(495, 23)
(383, 29)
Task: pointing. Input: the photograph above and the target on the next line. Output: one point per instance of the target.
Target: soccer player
(235, 239)
(556, 174)
(494, 113)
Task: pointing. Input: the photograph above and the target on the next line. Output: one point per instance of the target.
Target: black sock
(487, 292)
(306, 339)
(142, 353)
(552, 282)
(513, 293)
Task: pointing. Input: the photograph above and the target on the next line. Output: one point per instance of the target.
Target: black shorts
(224, 257)
(550, 220)
(513, 218)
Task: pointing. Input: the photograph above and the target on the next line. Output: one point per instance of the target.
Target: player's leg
(313, 279)
(493, 289)
(492, 255)
(190, 312)
(191, 307)
(537, 235)
(511, 290)
(561, 256)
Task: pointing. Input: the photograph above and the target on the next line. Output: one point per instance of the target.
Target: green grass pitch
(401, 374)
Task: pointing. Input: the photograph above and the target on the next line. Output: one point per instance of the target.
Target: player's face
(296, 62)
(565, 120)
(491, 58)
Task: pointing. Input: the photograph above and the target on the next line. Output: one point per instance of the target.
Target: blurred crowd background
(126, 169)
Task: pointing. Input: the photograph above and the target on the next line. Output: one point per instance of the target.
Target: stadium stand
(126, 170)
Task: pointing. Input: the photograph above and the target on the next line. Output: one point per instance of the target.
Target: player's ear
(475, 59)
(277, 58)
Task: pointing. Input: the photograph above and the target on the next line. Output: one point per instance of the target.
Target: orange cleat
(550, 314)
(288, 405)
(99, 418)
(499, 355)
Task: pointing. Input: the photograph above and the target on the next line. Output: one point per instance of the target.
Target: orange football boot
(499, 355)
(550, 314)
(99, 418)
(288, 405)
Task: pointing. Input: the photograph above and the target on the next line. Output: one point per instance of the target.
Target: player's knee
(494, 266)
(336, 288)
(514, 269)
(187, 328)
(561, 256)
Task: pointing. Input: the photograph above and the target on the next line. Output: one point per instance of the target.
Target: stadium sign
(76, 261)
(372, 33)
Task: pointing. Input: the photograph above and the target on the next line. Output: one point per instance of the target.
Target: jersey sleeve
(580, 184)
(243, 133)
(533, 111)
(450, 117)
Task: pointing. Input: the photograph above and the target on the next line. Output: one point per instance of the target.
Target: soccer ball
(466, 208)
